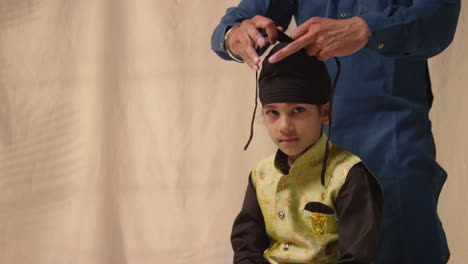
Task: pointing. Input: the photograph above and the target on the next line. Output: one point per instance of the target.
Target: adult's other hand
(327, 38)
(243, 40)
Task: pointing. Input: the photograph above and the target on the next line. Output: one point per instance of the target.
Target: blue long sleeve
(419, 31)
(416, 29)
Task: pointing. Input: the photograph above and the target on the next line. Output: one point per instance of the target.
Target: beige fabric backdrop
(121, 133)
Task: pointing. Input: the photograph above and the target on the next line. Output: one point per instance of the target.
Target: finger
(272, 33)
(249, 52)
(314, 49)
(280, 28)
(317, 46)
(268, 25)
(304, 28)
(249, 62)
(243, 47)
(330, 50)
(290, 49)
(252, 57)
(324, 55)
(254, 35)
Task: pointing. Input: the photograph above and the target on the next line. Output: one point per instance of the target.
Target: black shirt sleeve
(249, 238)
(360, 209)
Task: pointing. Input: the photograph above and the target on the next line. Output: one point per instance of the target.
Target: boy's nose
(286, 126)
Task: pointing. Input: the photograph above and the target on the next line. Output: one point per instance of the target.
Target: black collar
(281, 162)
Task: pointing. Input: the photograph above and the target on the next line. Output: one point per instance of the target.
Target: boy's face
(295, 127)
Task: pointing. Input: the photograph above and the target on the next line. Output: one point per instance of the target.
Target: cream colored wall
(449, 116)
(121, 133)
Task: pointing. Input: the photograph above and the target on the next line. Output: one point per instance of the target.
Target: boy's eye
(298, 109)
(271, 112)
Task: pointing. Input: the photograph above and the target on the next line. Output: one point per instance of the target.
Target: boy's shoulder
(355, 164)
(265, 167)
(339, 154)
(343, 160)
(266, 163)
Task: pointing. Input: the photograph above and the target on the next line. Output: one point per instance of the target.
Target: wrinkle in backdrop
(121, 133)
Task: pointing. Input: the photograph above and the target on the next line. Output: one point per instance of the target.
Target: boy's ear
(325, 112)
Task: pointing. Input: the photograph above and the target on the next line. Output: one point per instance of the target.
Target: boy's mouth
(289, 140)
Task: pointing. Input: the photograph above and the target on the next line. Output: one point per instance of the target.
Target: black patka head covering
(298, 78)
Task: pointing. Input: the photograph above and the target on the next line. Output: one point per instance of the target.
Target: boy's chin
(293, 152)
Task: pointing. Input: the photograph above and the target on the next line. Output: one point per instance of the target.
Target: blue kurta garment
(381, 107)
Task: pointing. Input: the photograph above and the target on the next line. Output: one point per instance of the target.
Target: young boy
(290, 214)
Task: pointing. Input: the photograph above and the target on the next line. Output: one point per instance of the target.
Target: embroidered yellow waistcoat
(299, 235)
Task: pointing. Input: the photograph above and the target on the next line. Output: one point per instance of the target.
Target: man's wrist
(226, 45)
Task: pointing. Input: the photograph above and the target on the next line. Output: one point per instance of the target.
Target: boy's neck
(291, 159)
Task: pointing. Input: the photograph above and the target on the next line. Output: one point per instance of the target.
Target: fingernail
(272, 59)
(261, 41)
(256, 59)
(255, 67)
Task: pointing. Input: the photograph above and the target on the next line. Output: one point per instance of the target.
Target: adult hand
(327, 38)
(243, 39)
